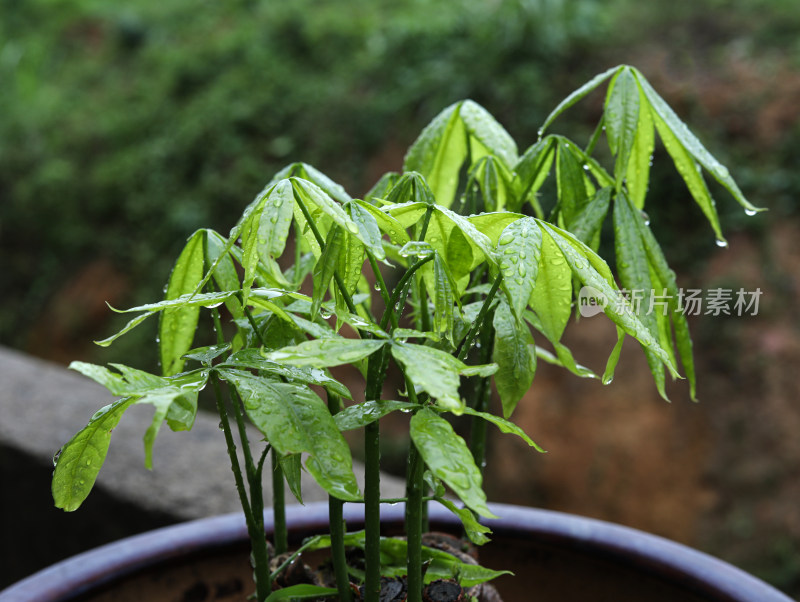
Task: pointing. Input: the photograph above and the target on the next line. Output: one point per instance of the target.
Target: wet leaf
(519, 249)
(449, 459)
(82, 456)
(622, 119)
(177, 326)
(362, 414)
(577, 95)
(322, 353)
(515, 355)
(295, 420)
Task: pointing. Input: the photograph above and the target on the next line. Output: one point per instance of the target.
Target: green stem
(483, 393)
(337, 527)
(280, 534)
(476, 325)
(595, 136)
(415, 517)
(258, 541)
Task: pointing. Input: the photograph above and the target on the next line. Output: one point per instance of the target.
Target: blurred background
(126, 126)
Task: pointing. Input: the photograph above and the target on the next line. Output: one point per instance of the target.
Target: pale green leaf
(622, 119)
(177, 326)
(551, 298)
(637, 177)
(81, 458)
(483, 126)
(519, 249)
(322, 353)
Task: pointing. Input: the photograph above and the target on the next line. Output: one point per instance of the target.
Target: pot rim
(638, 550)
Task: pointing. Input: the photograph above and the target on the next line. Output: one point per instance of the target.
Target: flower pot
(555, 557)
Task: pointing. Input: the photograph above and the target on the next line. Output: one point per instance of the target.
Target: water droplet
(274, 219)
(378, 286)
(750, 212)
(506, 238)
(722, 243)
(352, 227)
(221, 427)
(522, 270)
(55, 457)
(646, 218)
(607, 380)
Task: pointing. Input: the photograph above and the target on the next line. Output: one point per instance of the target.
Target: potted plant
(449, 272)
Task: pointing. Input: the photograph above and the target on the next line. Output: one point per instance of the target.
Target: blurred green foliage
(126, 126)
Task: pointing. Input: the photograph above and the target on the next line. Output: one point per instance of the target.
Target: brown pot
(555, 556)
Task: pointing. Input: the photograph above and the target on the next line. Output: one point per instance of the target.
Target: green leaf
(436, 372)
(439, 152)
(587, 224)
(637, 177)
(481, 125)
(577, 95)
(291, 466)
(302, 591)
(691, 174)
(362, 414)
(313, 175)
(443, 299)
(325, 268)
(295, 420)
(552, 294)
(592, 271)
(252, 359)
(475, 531)
(519, 249)
(622, 119)
(80, 460)
(177, 326)
(189, 300)
(515, 355)
(533, 169)
(313, 196)
(162, 400)
(571, 182)
(367, 223)
(634, 274)
(387, 223)
(505, 426)
(322, 353)
(689, 142)
(449, 459)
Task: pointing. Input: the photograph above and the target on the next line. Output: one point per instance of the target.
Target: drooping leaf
(295, 420)
(505, 426)
(551, 298)
(449, 459)
(637, 177)
(519, 249)
(533, 169)
(482, 126)
(571, 182)
(81, 458)
(587, 223)
(514, 353)
(177, 326)
(325, 268)
(686, 139)
(368, 227)
(443, 299)
(475, 531)
(622, 119)
(291, 466)
(592, 271)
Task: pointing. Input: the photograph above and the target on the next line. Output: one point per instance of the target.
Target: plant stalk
(258, 540)
(338, 527)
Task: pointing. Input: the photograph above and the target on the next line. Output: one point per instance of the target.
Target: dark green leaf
(475, 531)
(622, 119)
(295, 420)
(515, 355)
(449, 459)
(291, 466)
(325, 268)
